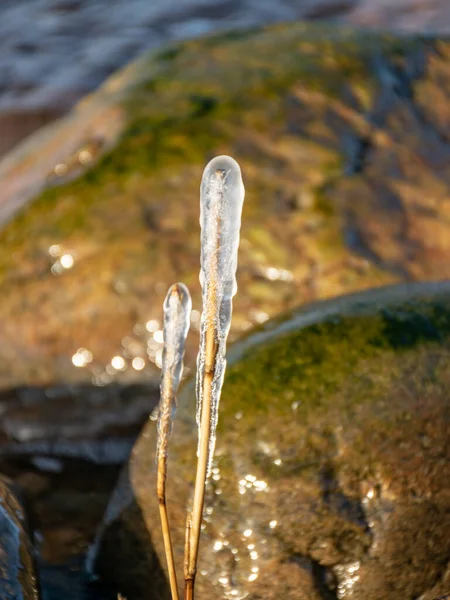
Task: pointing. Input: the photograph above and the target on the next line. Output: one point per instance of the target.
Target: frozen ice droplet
(177, 312)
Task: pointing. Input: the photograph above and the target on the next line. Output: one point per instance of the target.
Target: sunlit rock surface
(332, 471)
(342, 139)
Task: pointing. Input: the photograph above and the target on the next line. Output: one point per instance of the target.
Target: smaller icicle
(177, 312)
(221, 199)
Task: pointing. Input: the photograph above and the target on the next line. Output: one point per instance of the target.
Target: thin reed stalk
(193, 539)
(177, 309)
(164, 518)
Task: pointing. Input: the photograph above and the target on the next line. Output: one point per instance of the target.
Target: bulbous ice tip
(222, 163)
(178, 293)
(224, 170)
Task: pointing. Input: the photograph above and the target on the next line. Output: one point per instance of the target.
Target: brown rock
(331, 476)
(344, 158)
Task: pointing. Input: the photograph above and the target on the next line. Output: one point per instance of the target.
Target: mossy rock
(344, 160)
(332, 471)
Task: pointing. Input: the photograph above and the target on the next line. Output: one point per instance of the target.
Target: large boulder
(332, 472)
(54, 51)
(342, 138)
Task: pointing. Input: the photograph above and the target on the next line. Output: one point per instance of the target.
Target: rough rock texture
(52, 52)
(343, 142)
(332, 472)
(17, 572)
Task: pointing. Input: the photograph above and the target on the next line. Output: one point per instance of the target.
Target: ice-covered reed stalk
(221, 199)
(177, 312)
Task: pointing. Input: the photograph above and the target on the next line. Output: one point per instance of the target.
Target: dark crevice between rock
(406, 328)
(140, 574)
(357, 151)
(324, 579)
(398, 83)
(333, 496)
(64, 447)
(350, 509)
(71, 582)
(64, 509)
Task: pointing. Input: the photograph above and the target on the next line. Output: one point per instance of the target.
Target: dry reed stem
(189, 590)
(195, 519)
(200, 479)
(164, 517)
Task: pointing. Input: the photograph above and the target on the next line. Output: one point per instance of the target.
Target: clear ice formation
(177, 312)
(221, 199)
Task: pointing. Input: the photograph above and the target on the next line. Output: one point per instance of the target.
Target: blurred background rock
(52, 52)
(343, 138)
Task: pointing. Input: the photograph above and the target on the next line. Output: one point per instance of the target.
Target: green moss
(315, 366)
(169, 54)
(262, 96)
(324, 204)
(218, 95)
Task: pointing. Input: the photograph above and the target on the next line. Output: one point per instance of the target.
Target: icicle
(177, 312)
(221, 199)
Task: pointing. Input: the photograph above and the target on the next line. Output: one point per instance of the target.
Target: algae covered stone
(344, 158)
(331, 476)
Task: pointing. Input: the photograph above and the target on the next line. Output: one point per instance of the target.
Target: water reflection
(61, 261)
(152, 325)
(347, 576)
(138, 363)
(82, 357)
(66, 261)
(118, 363)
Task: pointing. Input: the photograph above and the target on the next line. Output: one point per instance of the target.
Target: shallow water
(65, 450)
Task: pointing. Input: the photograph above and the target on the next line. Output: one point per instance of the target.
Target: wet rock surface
(342, 139)
(343, 142)
(54, 52)
(17, 569)
(331, 477)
